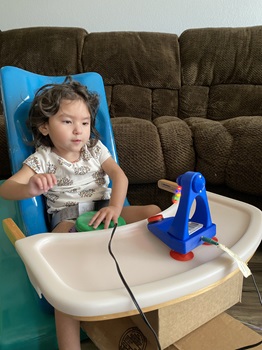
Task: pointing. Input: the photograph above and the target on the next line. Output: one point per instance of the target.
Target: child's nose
(78, 129)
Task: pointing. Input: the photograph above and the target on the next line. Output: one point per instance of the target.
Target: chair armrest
(12, 231)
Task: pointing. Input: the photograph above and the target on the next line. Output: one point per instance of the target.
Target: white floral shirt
(81, 181)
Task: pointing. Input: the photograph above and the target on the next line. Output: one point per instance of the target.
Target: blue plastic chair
(18, 89)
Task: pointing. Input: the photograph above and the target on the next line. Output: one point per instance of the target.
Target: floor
(249, 311)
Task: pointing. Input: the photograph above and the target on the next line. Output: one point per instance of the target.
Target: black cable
(256, 287)
(129, 290)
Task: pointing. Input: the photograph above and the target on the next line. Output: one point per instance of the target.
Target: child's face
(69, 129)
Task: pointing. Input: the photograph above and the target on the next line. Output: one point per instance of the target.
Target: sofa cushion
(166, 152)
(134, 58)
(139, 150)
(193, 101)
(213, 145)
(140, 102)
(212, 56)
(221, 72)
(177, 146)
(230, 101)
(141, 71)
(131, 101)
(244, 170)
(228, 152)
(43, 50)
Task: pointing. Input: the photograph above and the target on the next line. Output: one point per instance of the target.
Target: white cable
(241, 264)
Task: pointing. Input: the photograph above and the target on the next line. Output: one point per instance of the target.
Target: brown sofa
(192, 102)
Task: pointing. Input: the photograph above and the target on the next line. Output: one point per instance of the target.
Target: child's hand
(105, 215)
(41, 183)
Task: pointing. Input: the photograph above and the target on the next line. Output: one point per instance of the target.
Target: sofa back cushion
(141, 71)
(221, 72)
(43, 50)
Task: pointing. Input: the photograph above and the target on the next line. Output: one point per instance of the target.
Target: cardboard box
(170, 323)
(222, 333)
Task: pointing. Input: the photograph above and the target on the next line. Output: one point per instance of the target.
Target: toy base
(181, 257)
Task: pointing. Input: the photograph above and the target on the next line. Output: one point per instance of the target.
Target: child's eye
(86, 123)
(67, 121)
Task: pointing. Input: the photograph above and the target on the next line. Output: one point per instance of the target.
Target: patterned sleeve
(104, 154)
(36, 162)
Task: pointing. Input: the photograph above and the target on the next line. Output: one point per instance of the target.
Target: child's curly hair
(46, 103)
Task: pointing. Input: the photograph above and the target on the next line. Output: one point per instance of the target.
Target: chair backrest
(18, 88)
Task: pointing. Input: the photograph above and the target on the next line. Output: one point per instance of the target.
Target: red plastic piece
(181, 257)
(155, 218)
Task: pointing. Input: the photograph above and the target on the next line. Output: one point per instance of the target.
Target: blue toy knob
(198, 183)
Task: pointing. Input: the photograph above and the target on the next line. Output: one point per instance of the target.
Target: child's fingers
(97, 219)
(51, 180)
(41, 182)
(93, 219)
(109, 218)
(44, 181)
(107, 221)
(104, 215)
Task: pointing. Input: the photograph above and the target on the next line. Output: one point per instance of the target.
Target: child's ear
(44, 129)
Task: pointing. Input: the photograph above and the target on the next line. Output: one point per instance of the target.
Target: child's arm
(26, 184)
(118, 195)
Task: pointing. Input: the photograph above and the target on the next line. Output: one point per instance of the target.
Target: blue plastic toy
(181, 233)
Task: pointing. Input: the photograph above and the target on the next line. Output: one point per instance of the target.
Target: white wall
(173, 16)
